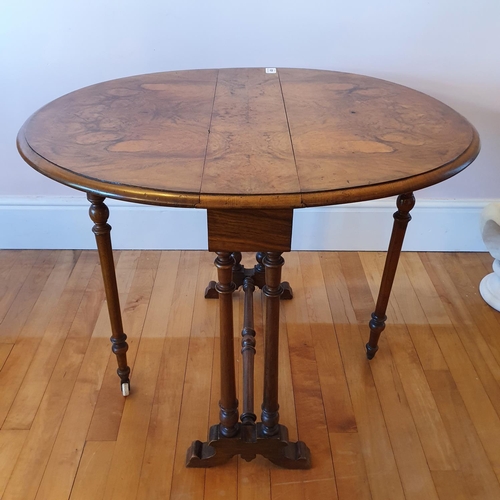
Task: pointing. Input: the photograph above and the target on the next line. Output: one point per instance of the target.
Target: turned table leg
(405, 203)
(228, 403)
(249, 438)
(99, 214)
(273, 262)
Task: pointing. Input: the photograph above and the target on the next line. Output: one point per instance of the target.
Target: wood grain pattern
(376, 449)
(469, 386)
(17, 311)
(29, 395)
(78, 350)
(404, 425)
(108, 411)
(354, 131)
(249, 151)
(246, 138)
(4, 353)
(93, 470)
(15, 267)
(28, 340)
(157, 123)
(249, 230)
(11, 443)
(408, 451)
(405, 339)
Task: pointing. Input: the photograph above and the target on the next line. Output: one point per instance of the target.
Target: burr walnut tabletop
(250, 146)
(247, 138)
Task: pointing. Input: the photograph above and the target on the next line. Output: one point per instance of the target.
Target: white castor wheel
(126, 388)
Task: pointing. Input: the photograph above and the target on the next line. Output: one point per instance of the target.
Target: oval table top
(248, 138)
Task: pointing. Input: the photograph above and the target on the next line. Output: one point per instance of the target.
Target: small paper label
(270, 70)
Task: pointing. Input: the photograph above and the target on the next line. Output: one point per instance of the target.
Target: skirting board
(61, 223)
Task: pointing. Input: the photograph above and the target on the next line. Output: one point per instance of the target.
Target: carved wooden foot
(401, 218)
(249, 442)
(210, 291)
(287, 291)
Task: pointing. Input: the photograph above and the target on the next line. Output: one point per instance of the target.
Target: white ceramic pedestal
(489, 288)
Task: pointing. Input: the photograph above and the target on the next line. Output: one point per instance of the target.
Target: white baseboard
(57, 223)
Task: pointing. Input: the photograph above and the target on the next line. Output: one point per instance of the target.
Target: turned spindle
(248, 353)
(99, 213)
(273, 262)
(228, 403)
(405, 203)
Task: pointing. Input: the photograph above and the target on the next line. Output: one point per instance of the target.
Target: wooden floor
(421, 421)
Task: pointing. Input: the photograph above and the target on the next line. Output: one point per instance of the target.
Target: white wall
(446, 48)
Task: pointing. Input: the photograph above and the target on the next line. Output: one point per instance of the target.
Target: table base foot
(210, 291)
(287, 291)
(371, 351)
(249, 442)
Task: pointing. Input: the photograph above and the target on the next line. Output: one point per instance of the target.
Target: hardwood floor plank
(408, 450)
(450, 485)
(376, 447)
(469, 277)
(135, 303)
(156, 473)
(465, 324)
(50, 294)
(476, 400)
(254, 479)
(334, 388)
(222, 482)
(160, 435)
(4, 353)
(30, 393)
(350, 468)
(61, 466)
(422, 336)
(15, 266)
(420, 421)
(305, 490)
(93, 471)
(487, 261)
(479, 479)
(30, 467)
(435, 441)
(311, 421)
(11, 443)
(193, 418)
(162, 371)
(410, 458)
(195, 403)
(466, 282)
(70, 440)
(288, 413)
(19, 311)
(28, 340)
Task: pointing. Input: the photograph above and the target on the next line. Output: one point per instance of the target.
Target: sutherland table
(250, 146)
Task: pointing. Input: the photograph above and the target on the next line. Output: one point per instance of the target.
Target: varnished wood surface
(419, 421)
(249, 230)
(246, 138)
